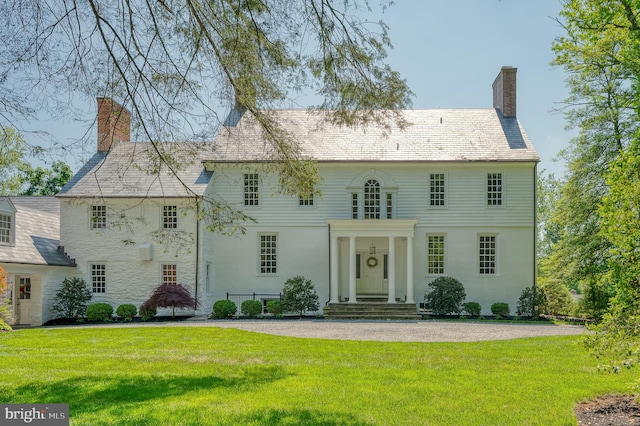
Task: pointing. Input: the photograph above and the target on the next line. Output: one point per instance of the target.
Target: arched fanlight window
(372, 199)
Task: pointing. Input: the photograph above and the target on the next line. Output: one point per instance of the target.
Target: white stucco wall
(130, 223)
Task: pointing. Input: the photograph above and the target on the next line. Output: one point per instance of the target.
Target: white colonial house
(451, 195)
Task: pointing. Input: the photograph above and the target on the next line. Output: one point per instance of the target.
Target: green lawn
(210, 376)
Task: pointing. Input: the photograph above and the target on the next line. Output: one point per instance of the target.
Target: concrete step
(372, 310)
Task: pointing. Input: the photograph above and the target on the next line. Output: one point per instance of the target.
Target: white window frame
(437, 196)
(487, 256)
(98, 277)
(170, 216)
(442, 263)
(169, 273)
(98, 217)
(251, 189)
(372, 199)
(268, 253)
(306, 203)
(495, 190)
(7, 229)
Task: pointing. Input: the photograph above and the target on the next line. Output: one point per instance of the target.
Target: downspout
(195, 305)
(329, 234)
(535, 233)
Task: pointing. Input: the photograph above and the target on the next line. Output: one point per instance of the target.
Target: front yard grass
(210, 376)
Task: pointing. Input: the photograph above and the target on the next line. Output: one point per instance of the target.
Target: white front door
(23, 300)
(372, 274)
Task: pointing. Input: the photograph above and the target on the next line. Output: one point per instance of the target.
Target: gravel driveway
(382, 331)
(397, 331)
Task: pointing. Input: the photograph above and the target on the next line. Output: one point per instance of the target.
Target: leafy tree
(532, 302)
(299, 295)
(12, 152)
(42, 181)
(600, 54)
(173, 62)
(72, 298)
(446, 296)
(171, 296)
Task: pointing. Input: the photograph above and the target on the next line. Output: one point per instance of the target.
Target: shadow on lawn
(90, 394)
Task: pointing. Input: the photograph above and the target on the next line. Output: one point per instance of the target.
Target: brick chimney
(114, 124)
(504, 91)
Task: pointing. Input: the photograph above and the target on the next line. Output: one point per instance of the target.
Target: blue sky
(450, 52)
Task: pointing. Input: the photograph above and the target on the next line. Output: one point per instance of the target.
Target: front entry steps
(372, 311)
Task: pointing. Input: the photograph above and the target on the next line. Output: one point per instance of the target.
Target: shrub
(559, 300)
(532, 302)
(446, 297)
(299, 295)
(473, 308)
(275, 307)
(147, 312)
(72, 298)
(224, 308)
(99, 312)
(251, 308)
(500, 309)
(171, 296)
(126, 311)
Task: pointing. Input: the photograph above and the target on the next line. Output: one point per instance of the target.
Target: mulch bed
(612, 410)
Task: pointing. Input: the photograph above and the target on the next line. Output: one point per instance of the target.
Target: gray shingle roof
(37, 233)
(433, 135)
(134, 170)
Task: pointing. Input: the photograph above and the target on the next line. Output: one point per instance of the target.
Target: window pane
(98, 217)
(372, 200)
(251, 189)
(5, 229)
(354, 206)
(170, 217)
(436, 189)
(435, 254)
(169, 274)
(268, 254)
(487, 251)
(98, 278)
(494, 189)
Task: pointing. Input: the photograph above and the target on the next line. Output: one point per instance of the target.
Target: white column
(352, 269)
(391, 269)
(410, 270)
(334, 270)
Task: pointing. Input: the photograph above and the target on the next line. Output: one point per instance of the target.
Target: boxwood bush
(99, 312)
(126, 311)
(500, 309)
(223, 309)
(473, 308)
(275, 307)
(251, 308)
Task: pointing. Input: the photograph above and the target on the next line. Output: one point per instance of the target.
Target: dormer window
(7, 229)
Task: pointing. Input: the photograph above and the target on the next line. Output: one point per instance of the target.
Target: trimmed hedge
(99, 312)
(223, 309)
(126, 311)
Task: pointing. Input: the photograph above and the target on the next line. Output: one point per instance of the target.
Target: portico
(371, 258)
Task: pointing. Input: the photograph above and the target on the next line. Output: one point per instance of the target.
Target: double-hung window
(268, 256)
(169, 273)
(487, 254)
(98, 278)
(436, 190)
(98, 217)
(170, 217)
(6, 229)
(251, 189)
(435, 254)
(494, 189)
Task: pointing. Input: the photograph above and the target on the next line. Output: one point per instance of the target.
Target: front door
(23, 301)
(373, 274)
